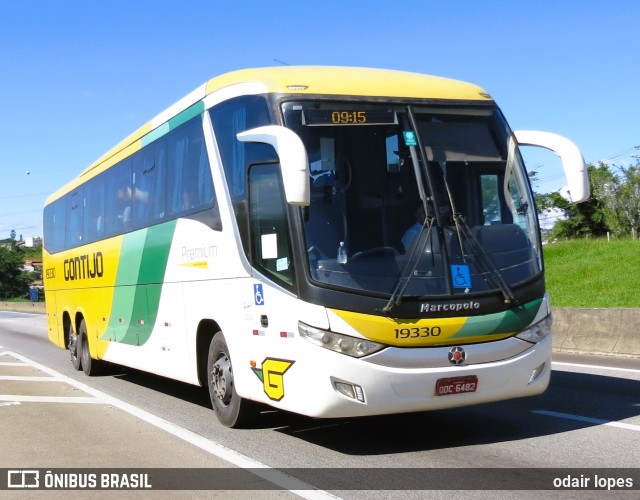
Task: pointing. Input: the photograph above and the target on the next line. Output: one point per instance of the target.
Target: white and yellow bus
(328, 241)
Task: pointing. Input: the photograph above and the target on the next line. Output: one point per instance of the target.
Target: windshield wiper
(409, 268)
(482, 259)
(432, 216)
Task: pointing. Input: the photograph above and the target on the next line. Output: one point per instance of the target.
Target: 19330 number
(418, 332)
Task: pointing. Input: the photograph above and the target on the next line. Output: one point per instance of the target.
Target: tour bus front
(418, 240)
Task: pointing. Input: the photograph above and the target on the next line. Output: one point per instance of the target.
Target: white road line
(19, 378)
(51, 399)
(15, 363)
(233, 457)
(589, 420)
(598, 367)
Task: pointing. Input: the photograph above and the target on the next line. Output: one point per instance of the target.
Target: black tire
(90, 366)
(231, 409)
(74, 348)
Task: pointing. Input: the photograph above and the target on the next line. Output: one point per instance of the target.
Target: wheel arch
(207, 328)
(78, 319)
(66, 323)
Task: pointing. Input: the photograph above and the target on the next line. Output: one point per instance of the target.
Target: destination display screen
(328, 117)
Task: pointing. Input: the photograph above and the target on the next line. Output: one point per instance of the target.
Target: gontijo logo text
(84, 267)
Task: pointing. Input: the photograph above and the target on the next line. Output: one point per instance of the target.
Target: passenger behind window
(127, 194)
(187, 201)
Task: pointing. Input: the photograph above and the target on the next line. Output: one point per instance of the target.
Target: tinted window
(230, 118)
(166, 179)
(270, 243)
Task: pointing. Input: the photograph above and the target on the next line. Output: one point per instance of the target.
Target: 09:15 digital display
(327, 117)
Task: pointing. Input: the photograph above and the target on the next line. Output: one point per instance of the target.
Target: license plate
(456, 385)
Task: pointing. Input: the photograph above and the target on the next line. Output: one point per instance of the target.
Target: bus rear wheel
(90, 366)
(231, 409)
(74, 347)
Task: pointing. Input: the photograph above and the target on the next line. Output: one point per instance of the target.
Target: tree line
(613, 208)
(14, 281)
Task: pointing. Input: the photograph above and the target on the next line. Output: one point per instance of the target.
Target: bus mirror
(293, 159)
(575, 169)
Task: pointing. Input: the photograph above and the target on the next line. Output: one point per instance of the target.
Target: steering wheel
(375, 252)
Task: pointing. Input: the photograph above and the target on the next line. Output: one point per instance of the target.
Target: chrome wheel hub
(222, 379)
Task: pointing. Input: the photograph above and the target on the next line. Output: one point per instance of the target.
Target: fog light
(351, 391)
(345, 389)
(536, 373)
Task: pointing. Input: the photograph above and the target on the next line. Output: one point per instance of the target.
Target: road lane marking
(20, 378)
(596, 421)
(598, 367)
(270, 474)
(50, 399)
(10, 363)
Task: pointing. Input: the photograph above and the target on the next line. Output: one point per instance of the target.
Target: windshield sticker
(461, 276)
(269, 244)
(410, 138)
(282, 264)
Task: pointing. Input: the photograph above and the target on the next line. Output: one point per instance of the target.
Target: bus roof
(337, 80)
(301, 80)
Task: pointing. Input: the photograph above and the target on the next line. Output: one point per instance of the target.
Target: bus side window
(75, 210)
(190, 183)
(54, 226)
(178, 196)
(118, 203)
(93, 211)
(270, 242)
(230, 118)
(144, 189)
(158, 203)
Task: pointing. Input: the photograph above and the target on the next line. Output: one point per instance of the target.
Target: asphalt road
(586, 424)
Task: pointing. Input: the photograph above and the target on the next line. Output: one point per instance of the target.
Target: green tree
(13, 281)
(621, 197)
(588, 218)
(542, 200)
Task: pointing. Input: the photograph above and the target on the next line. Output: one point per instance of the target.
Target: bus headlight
(535, 333)
(344, 344)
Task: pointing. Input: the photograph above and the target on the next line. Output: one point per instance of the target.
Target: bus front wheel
(231, 409)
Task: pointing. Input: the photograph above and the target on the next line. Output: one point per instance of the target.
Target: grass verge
(593, 273)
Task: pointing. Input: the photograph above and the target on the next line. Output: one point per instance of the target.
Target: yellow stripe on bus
(420, 332)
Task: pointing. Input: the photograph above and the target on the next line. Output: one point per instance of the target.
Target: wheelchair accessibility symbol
(259, 296)
(461, 276)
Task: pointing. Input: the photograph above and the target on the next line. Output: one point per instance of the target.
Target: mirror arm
(572, 160)
(294, 162)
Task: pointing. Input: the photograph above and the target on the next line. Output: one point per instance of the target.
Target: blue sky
(78, 76)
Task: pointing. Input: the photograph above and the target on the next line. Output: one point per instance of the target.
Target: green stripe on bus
(173, 123)
(513, 321)
(136, 297)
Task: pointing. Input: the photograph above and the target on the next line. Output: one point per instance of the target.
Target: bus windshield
(415, 201)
